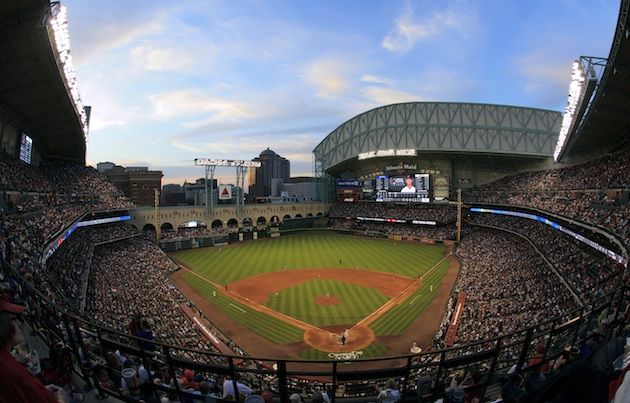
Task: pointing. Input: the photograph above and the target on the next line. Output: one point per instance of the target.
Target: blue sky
(169, 81)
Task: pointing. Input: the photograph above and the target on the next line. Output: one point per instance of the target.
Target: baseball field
(305, 290)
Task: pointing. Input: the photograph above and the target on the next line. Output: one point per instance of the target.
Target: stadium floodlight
(61, 40)
(226, 163)
(580, 89)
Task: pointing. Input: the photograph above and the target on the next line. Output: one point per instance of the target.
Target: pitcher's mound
(327, 300)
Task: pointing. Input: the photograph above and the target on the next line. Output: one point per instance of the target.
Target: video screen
(410, 187)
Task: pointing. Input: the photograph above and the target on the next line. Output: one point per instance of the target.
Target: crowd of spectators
(344, 216)
(508, 286)
(440, 213)
(590, 273)
(395, 229)
(69, 266)
(591, 192)
(127, 280)
(609, 172)
(31, 219)
(20, 176)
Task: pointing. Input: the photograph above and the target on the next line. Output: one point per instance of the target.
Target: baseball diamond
(306, 289)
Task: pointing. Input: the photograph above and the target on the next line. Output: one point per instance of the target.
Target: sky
(170, 81)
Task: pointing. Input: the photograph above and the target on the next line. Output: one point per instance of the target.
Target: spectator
(389, 394)
(228, 388)
(18, 385)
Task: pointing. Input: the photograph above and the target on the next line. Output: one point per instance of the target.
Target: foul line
(258, 307)
(238, 307)
(368, 320)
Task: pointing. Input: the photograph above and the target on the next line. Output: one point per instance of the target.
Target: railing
(94, 347)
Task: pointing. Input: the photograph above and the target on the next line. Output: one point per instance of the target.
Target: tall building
(194, 193)
(172, 195)
(105, 166)
(137, 183)
(272, 166)
(303, 187)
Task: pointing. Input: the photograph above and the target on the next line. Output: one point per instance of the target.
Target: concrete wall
(177, 215)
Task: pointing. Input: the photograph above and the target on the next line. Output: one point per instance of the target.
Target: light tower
(241, 170)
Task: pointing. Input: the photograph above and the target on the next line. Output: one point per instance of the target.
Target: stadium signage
(402, 152)
(421, 222)
(226, 163)
(350, 355)
(401, 167)
(378, 219)
(225, 192)
(103, 221)
(53, 245)
(348, 183)
(614, 256)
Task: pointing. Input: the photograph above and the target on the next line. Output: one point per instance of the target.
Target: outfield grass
(396, 321)
(272, 329)
(316, 249)
(356, 302)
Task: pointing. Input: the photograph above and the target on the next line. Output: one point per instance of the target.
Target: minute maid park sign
(401, 167)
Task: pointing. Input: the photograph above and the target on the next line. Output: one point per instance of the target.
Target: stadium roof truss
(442, 127)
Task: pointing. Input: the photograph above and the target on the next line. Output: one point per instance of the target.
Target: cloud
(373, 79)
(114, 29)
(193, 149)
(161, 59)
(541, 70)
(328, 76)
(300, 157)
(383, 96)
(242, 146)
(100, 124)
(456, 19)
(545, 75)
(191, 102)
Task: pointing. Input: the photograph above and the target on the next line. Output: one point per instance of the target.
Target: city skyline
(170, 82)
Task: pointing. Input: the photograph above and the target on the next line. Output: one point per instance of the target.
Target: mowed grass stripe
(356, 302)
(306, 250)
(272, 329)
(398, 319)
(395, 321)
